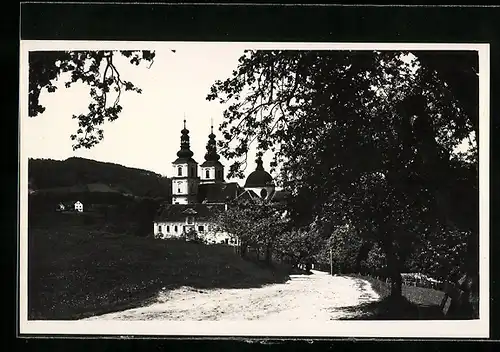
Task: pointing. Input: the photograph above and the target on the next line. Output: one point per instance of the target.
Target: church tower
(212, 171)
(185, 173)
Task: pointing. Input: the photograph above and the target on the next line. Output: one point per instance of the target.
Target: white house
(68, 206)
(78, 206)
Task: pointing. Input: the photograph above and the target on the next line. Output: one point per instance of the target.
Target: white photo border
(454, 329)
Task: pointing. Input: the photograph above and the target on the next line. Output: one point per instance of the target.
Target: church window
(178, 190)
(263, 193)
(190, 220)
(179, 171)
(207, 174)
(175, 228)
(159, 228)
(201, 228)
(168, 228)
(226, 240)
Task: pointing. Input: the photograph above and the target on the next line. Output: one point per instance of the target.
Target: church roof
(212, 155)
(248, 195)
(184, 160)
(209, 163)
(259, 177)
(185, 152)
(179, 212)
(218, 192)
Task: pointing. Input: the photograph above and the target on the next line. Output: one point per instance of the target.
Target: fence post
(331, 262)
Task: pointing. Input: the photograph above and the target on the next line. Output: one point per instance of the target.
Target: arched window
(179, 171)
(207, 173)
(263, 193)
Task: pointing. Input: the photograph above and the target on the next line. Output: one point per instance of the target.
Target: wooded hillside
(45, 174)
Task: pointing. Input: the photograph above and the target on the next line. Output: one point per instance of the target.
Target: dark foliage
(366, 139)
(98, 70)
(47, 173)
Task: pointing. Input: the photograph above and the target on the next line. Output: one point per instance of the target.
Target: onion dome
(211, 157)
(211, 154)
(259, 177)
(185, 152)
(185, 155)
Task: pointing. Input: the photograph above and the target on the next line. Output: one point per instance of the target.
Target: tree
(93, 68)
(300, 245)
(254, 224)
(365, 138)
(345, 246)
(237, 221)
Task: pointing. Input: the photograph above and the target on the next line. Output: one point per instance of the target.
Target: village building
(70, 206)
(197, 197)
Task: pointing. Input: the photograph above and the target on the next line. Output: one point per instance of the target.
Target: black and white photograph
(254, 189)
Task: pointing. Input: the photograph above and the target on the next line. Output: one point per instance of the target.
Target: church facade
(200, 191)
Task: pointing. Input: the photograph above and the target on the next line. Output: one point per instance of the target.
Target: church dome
(259, 177)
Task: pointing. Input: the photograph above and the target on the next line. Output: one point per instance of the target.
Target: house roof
(69, 203)
(218, 192)
(179, 212)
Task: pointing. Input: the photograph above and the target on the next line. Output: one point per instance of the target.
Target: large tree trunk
(243, 249)
(394, 268)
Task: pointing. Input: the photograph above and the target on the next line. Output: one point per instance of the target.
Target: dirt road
(304, 297)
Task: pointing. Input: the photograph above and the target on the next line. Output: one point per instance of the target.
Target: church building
(199, 191)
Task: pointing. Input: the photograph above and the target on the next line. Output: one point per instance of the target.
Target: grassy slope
(75, 272)
(417, 303)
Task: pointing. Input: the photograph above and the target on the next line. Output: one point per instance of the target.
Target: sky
(147, 133)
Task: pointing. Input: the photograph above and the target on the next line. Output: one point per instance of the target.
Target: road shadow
(389, 308)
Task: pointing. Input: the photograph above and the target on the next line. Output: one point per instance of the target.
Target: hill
(85, 175)
(77, 271)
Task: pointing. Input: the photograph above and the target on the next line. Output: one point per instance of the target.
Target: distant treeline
(48, 174)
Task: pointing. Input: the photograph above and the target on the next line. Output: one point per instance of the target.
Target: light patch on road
(318, 296)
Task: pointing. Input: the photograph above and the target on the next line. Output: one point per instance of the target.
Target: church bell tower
(185, 178)
(212, 170)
